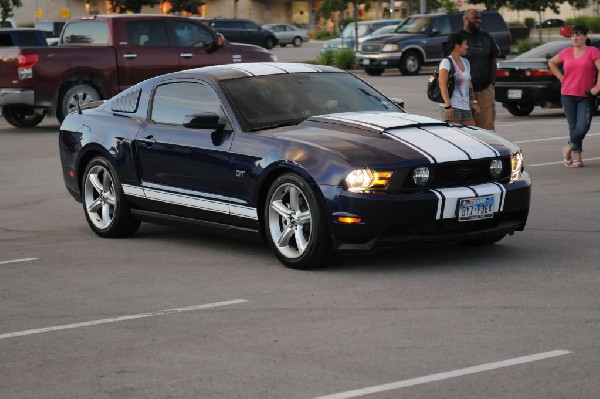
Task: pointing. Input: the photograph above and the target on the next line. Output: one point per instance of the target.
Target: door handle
(186, 55)
(129, 56)
(148, 141)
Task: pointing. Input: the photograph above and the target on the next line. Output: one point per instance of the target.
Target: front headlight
(421, 176)
(496, 168)
(366, 179)
(516, 163)
(390, 48)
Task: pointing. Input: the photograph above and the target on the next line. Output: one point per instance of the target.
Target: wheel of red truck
(78, 94)
(410, 63)
(20, 116)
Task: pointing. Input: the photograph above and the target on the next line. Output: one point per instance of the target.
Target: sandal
(567, 161)
(576, 164)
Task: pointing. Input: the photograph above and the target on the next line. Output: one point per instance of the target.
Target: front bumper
(379, 60)
(16, 97)
(540, 94)
(426, 217)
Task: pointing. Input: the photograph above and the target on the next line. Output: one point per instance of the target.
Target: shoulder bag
(433, 86)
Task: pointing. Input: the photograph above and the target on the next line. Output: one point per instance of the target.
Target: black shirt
(482, 49)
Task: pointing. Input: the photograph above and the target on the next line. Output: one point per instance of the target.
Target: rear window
(86, 32)
(29, 39)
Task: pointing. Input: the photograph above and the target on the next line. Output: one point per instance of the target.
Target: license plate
(476, 208)
(515, 94)
(366, 61)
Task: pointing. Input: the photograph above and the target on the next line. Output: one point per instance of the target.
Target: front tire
(297, 42)
(21, 116)
(78, 94)
(374, 71)
(104, 204)
(269, 43)
(295, 226)
(519, 109)
(410, 63)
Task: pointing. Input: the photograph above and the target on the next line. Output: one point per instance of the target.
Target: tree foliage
(492, 4)
(6, 8)
(190, 6)
(134, 6)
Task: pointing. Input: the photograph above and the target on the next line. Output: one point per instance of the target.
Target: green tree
(6, 8)
(134, 6)
(493, 4)
(186, 6)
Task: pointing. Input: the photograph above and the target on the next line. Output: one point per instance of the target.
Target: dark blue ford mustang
(310, 158)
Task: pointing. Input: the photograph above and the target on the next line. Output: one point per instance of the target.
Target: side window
(173, 101)
(146, 33)
(6, 39)
(88, 32)
(192, 35)
(250, 25)
(442, 25)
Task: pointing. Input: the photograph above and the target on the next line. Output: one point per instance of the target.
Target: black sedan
(526, 81)
(309, 158)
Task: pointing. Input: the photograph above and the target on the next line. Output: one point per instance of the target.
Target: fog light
(496, 168)
(421, 176)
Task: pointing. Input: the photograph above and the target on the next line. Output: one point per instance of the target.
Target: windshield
(287, 99)
(349, 30)
(414, 25)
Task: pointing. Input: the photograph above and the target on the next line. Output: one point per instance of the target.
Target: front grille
(371, 48)
(451, 174)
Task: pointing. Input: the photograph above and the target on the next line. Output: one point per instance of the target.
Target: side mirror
(220, 40)
(399, 102)
(205, 120)
(434, 32)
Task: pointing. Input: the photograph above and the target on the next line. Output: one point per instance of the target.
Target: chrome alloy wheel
(99, 196)
(290, 220)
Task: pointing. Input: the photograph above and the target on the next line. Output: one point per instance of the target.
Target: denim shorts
(458, 114)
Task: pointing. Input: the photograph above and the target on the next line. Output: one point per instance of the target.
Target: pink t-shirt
(579, 72)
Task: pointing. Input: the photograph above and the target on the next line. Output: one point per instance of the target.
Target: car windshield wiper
(291, 122)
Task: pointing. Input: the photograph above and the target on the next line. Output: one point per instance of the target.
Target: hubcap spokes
(100, 198)
(290, 221)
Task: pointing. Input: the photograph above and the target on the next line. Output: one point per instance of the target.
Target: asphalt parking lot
(173, 313)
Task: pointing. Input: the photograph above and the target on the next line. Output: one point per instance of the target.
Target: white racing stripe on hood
(445, 144)
(261, 69)
(382, 120)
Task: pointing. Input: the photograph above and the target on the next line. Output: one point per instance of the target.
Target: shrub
(530, 22)
(325, 57)
(323, 34)
(344, 58)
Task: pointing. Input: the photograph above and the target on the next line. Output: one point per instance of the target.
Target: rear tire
(295, 226)
(104, 204)
(519, 109)
(81, 93)
(21, 116)
(269, 43)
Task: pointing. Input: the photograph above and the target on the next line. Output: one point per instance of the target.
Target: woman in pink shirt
(579, 88)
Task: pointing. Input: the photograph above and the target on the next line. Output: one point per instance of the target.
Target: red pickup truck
(101, 55)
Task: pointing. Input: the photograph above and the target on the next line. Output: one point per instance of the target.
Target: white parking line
(120, 318)
(551, 138)
(444, 376)
(559, 162)
(17, 260)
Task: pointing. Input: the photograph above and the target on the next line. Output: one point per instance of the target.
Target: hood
(386, 138)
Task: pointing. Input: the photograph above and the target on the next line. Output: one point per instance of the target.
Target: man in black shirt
(482, 54)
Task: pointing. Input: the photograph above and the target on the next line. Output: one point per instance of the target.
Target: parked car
(243, 31)
(551, 23)
(526, 81)
(101, 55)
(347, 38)
(288, 34)
(51, 29)
(418, 42)
(8, 23)
(307, 157)
(21, 37)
